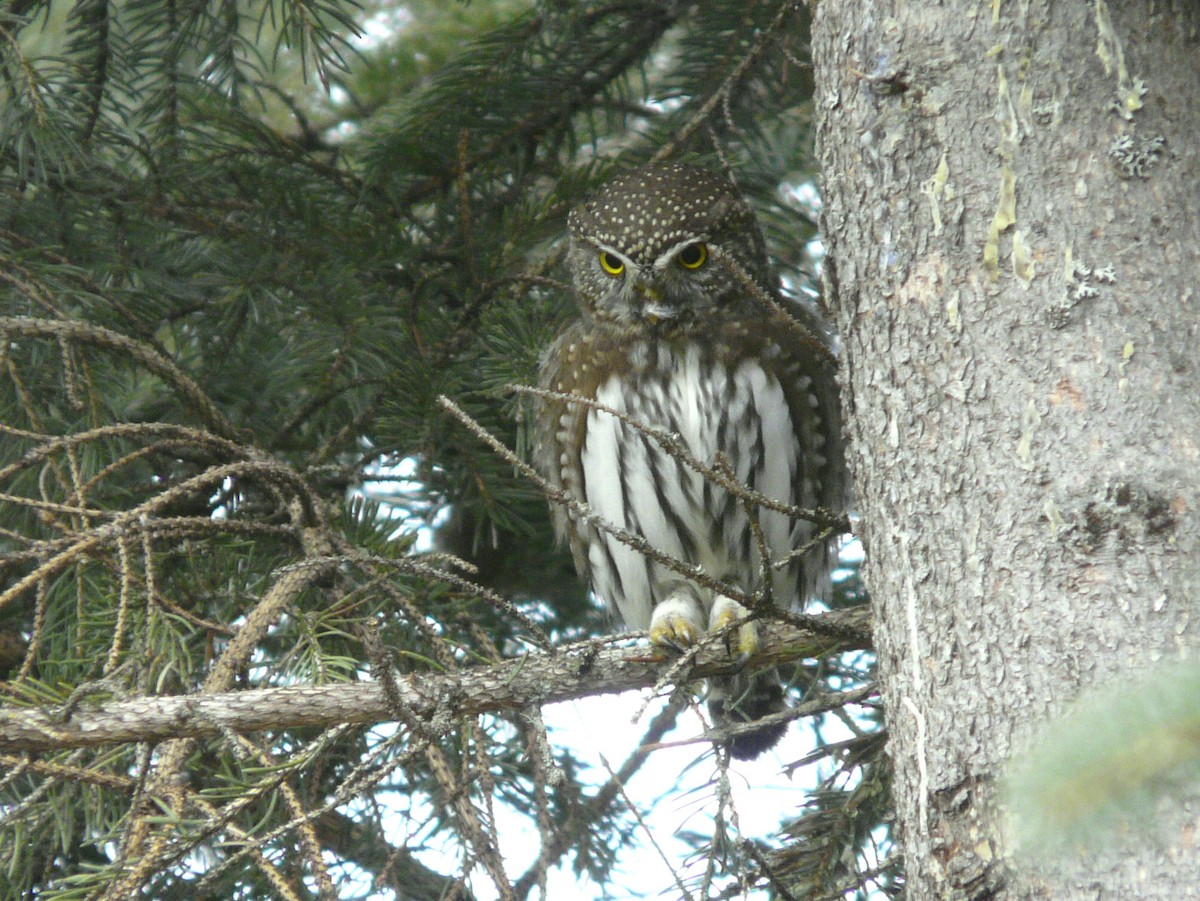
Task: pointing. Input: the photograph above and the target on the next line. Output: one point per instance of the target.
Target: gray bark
(1011, 194)
(422, 700)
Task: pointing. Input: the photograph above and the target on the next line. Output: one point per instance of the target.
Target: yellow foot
(744, 641)
(676, 623)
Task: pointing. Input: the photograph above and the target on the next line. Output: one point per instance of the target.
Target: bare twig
(720, 98)
(633, 808)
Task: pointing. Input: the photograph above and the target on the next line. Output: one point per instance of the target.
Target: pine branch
(590, 75)
(575, 671)
(67, 331)
(584, 816)
(721, 97)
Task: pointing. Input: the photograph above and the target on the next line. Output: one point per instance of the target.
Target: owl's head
(645, 249)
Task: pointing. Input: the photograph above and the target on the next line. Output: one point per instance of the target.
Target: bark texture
(1011, 193)
(424, 700)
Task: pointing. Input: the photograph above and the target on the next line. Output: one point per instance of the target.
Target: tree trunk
(1011, 193)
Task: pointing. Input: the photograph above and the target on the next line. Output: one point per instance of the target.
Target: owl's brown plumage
(671, 338)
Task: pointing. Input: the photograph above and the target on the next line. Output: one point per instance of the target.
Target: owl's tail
(745, 698)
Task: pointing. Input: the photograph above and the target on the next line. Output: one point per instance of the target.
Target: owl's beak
(653, 308)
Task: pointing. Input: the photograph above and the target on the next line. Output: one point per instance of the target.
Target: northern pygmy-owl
(671, 337)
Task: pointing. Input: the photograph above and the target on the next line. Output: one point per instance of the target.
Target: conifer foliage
(246, 249)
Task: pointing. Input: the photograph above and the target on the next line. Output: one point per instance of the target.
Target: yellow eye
(610, 263)
(693, 256)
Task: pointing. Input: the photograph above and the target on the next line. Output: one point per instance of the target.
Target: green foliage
(229, 301)
(1101, 768)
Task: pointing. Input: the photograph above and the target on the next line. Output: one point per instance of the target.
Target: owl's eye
(611, 264)
(693, 256)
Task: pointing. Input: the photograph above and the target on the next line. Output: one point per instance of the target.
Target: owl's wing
(558, 437)
(808, 377)
(813, 394)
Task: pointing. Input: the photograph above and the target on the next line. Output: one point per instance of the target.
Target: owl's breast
(686, 409)
(662, 426)
(670, 425)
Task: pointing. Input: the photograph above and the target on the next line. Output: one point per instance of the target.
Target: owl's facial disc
(637, 287)
(654, 286)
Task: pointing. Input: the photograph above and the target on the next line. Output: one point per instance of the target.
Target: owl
(671, 337)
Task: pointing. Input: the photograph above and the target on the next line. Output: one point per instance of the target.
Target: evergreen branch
(146, 843)
(18, 766)
(314, 404)
(572, 672)
(500, 603)
(217, 819)
(367, 774)
(163, 367)
(768, 872)
(18, 8)
(176, 435)
(32, 96)
(174, 527)
(93, 20)
(86, 542)
(649, 833)
(721, 96)
(772, 305)
(591, 76)
(310, 847)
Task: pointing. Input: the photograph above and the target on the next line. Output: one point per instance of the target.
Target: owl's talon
(743, 640)
(674, 631)
(676, 623)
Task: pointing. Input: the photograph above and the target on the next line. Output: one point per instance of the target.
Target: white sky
(670, 788)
